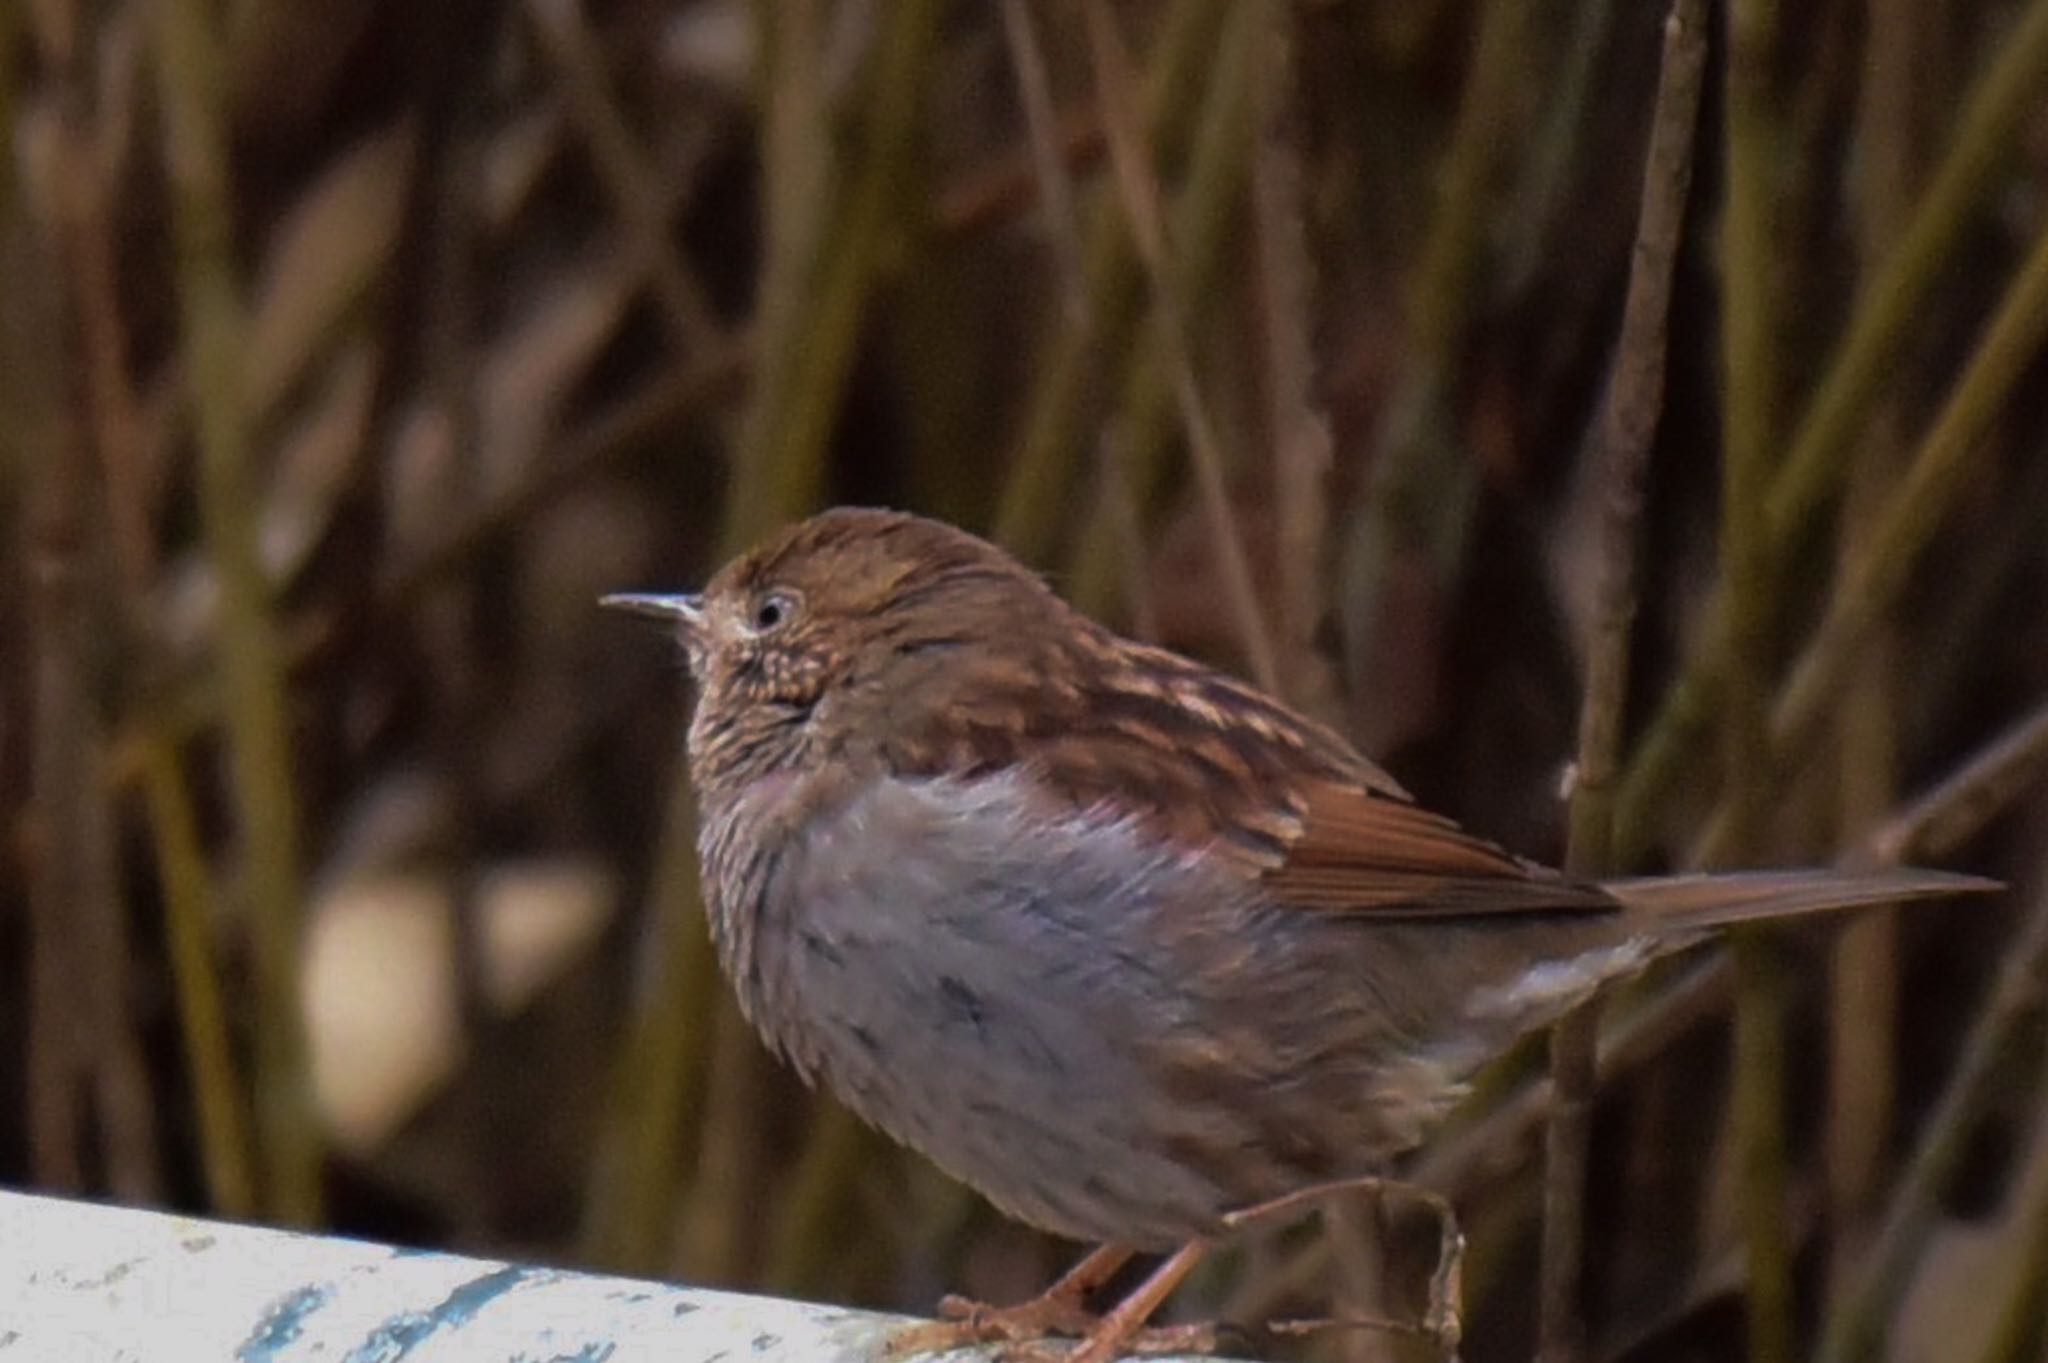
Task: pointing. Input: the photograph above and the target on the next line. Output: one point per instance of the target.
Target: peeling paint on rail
(81, 1283)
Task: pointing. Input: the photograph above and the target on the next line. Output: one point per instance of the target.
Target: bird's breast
(982, 979)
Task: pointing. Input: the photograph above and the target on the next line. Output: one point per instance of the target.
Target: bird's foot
(963, 1322)
(1056, 1334)
(1025, 1331)
(1050, 1313)
(1442, 1321)
(1029, 1336)
(1103, 1346)
(1059, 1310)
(1125, 1330)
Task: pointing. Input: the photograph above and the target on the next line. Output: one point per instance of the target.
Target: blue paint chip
(597, 1351)
(283, 1322)
(395, 1338)
(465, 1301)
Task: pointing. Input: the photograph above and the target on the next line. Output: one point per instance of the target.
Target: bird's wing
(1209, 764)
(1360, 851)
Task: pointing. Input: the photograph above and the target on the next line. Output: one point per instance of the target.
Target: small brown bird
(1120, 941)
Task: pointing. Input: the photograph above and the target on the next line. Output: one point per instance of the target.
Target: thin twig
(1062, 227)
(1056, 210)
(1880, 564)
(721, 1232)
(644, 206)
(994, 193)
(1545, 191)
(2014, 1010)
(183, 875)
(1115, 83)
(1082, 354)
(1204, 211)
(1940, 821)
(451, 626)
(809, 1232)
(2020, 1334)
(1749, 361)
(653, 1121)
(1749, 331)
(823, 264)
(88, 1087)
(60, 1023)
(1989, 129)
(1302, 452)
(628, 427)
(188, 889)
(1865, 969)
(252, 666)
(10, 68)
(1953, 452)
(1120, 499)
(1423, 488)
(1628, 427)
(1987, 133)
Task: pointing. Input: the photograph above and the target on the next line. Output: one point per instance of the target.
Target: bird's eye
(773, 611)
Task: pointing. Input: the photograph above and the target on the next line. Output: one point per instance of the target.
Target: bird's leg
(1124, 1326)
(1443, 1320)
(1060, 1309)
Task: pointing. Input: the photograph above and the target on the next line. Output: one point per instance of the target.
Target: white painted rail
(81, 1283)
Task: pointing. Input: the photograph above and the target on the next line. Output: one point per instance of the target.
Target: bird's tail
(1686, 904)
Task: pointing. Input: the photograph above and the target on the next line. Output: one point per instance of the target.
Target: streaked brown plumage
(1117, 939)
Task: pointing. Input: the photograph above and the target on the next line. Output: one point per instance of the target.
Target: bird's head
(841, 627)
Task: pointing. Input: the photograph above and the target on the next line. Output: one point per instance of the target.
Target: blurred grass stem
(1953, 454)
(1084, 353)
(265, 797)
(635, 185)
(1987, 133)
(1302, 453)
(1751, 272)
(186, 880)
(1150, 405)
(1622, 442)
(1115, 85)
(2016, 1009)
(1423, 484)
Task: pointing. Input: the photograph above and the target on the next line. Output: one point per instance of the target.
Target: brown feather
(1677, 905)
(1206, 762)
(1358, 850)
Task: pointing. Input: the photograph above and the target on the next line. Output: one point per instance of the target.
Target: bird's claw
(964, 1321)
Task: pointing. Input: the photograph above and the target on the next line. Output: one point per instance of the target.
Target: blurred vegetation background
(349, 349)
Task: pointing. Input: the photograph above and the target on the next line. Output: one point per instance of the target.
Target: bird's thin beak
(685, 613)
